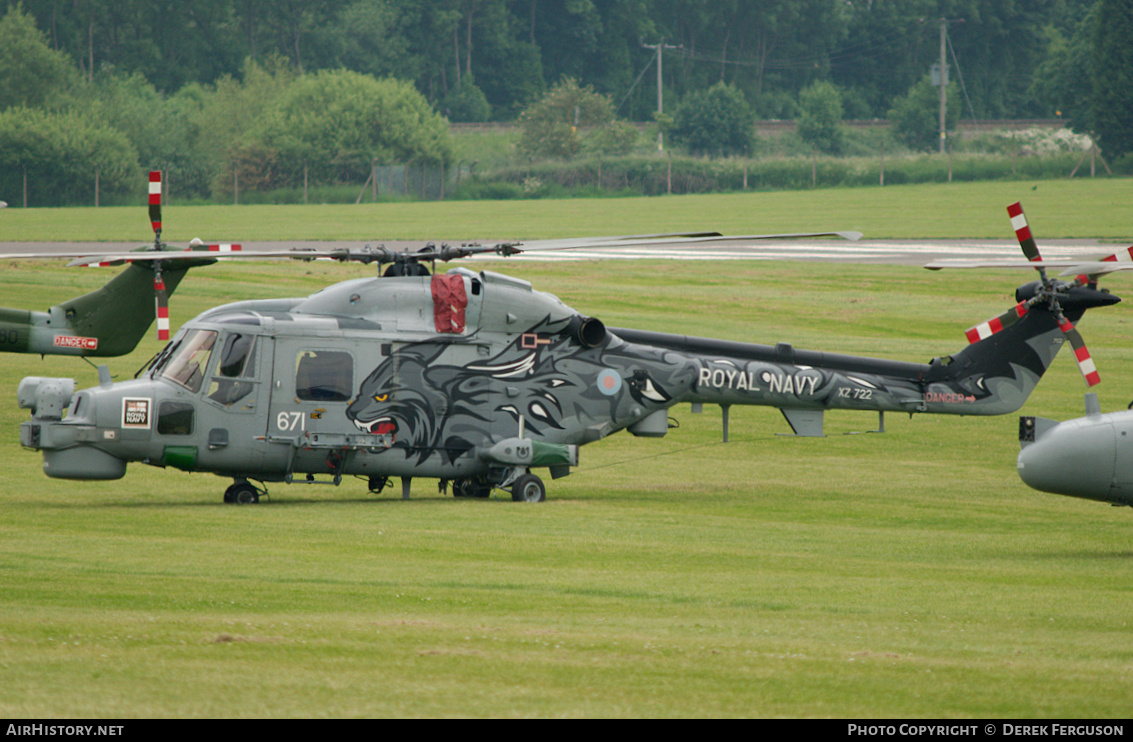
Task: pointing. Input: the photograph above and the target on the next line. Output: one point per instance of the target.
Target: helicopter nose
(1074, 458)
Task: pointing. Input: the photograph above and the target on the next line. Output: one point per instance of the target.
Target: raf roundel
(609, 383)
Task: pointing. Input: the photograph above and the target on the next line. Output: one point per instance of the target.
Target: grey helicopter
(1089, 457)
(476, 379)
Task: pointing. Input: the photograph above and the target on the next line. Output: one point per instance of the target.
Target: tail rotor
(1048, 293)
(160, 264)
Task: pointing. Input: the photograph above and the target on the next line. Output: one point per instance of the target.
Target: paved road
(893, 252)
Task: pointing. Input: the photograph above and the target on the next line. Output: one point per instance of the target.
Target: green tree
(339, 122)
(716, 121)
(61, 154)
(31, 73)
(165, 130)
(230, 115)
(1112, 100)
(914, 118)
(554, 126)
(465, 102)
(491, 44)
(820, 117)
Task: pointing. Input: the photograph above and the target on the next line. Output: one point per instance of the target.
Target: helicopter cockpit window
(187, 365)
(324, 376)
(236, 355)
(237, 361)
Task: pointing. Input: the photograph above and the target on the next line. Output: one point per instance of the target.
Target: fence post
(25, 186)
(96, 173)
(304, 182)
(235, 187)
(669, 177)
(882, 178)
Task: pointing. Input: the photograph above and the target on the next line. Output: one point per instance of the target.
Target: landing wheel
(528, 488)
(241, 493)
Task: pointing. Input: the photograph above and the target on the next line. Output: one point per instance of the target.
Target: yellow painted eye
(381, 397)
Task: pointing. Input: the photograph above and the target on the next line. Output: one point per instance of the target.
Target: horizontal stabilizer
(805, 423)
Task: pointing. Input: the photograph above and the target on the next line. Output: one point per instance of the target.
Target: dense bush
(717, 121)
(656, 176)
(820, 117)
(570, 118)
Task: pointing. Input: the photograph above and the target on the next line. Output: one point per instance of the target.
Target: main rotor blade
(1122, 260)
(382, 255)
(1072, 264)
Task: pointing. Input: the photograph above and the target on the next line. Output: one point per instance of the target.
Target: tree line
(513, 50)
(224, 90)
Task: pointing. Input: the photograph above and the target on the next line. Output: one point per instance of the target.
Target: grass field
(909, 574)
(1073, 208)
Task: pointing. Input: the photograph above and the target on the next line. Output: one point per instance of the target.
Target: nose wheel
(528, 488)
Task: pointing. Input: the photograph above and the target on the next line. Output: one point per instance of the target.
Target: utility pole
(659, 46)
(943, 83)
(942, 78)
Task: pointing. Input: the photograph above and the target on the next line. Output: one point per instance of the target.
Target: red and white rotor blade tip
(1081, 354)
(995, 324)
(155, 200)
(1023, 231)
(161, 304)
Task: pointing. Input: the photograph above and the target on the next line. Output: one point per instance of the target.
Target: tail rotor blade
(995, 324)
(1023, 234)
(1023, 231)
(155, 202)
(161, 303)
(1081, 354)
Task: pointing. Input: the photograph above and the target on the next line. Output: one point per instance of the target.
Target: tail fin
(119, 313)
(1002, 366)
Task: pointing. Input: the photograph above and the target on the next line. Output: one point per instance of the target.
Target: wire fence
(658, 173)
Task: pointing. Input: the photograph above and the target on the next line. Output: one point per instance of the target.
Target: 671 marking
(290, 421)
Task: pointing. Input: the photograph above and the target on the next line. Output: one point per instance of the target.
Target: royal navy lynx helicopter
(477, 379)
(111, 320)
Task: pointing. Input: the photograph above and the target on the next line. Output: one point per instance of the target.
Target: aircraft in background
(111, 320)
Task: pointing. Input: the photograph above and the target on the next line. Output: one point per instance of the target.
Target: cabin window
(175, 418)
(237, 359)
(187, 366)
(324, 376)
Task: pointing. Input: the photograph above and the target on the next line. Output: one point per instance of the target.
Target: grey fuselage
(464, 374)
(1089, 457)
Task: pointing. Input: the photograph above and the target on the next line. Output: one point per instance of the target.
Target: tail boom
(991, 377)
